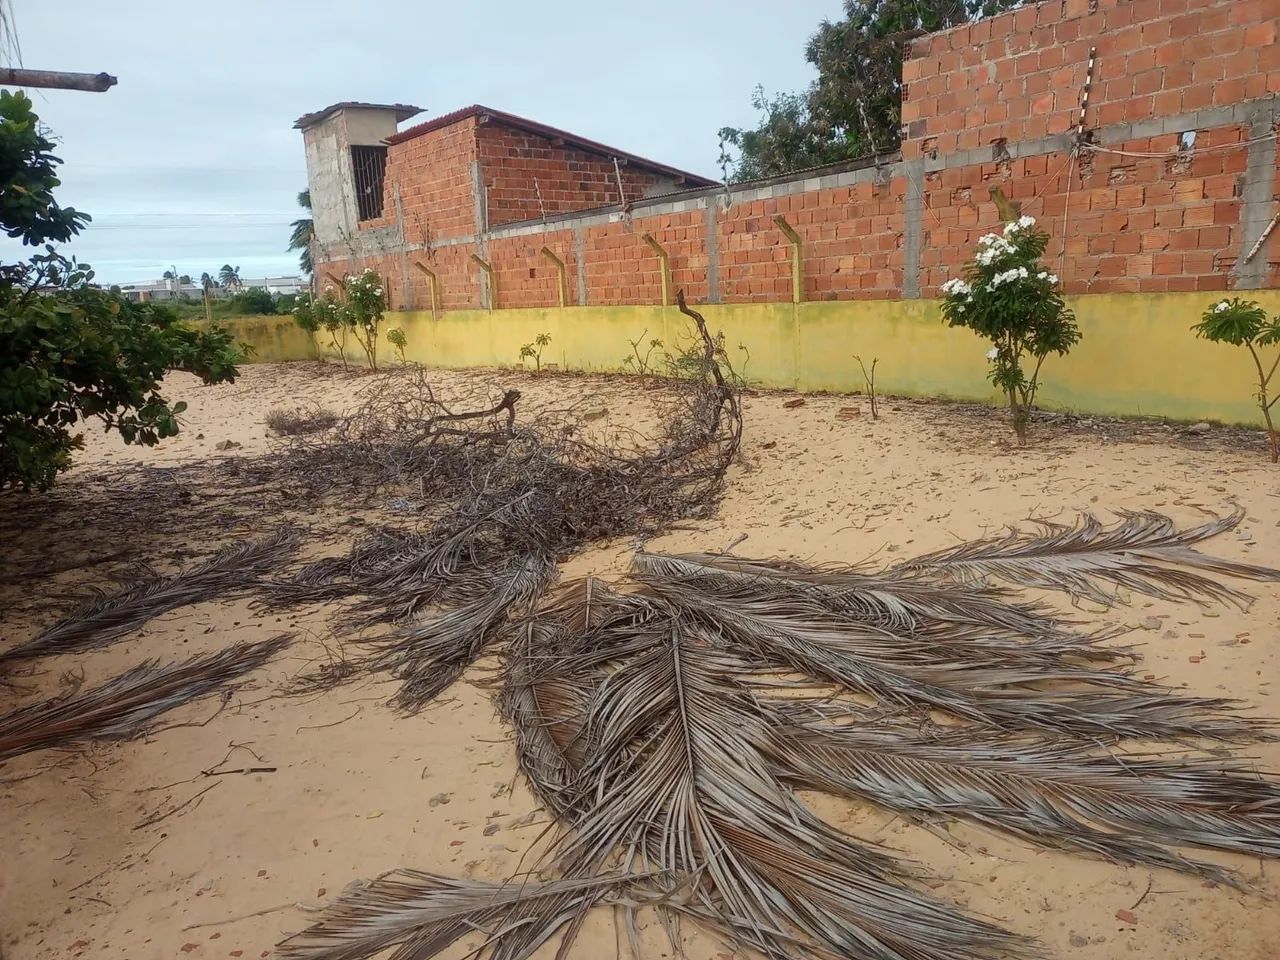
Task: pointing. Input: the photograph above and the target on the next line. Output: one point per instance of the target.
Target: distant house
(173, 290)
(278, 285)
(161, 290)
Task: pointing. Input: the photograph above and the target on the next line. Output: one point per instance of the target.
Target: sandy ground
(133, 850)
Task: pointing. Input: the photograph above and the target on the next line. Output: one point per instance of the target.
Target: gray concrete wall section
(406, 281)
(713, 250)
(580, 261)
(328, 170)
(1258, 203)
(913, 224)
(480, 211)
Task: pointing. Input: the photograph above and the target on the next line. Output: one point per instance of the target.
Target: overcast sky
(192, 159)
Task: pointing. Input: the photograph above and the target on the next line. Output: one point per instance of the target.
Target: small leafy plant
(533, 351)
(639, 362)
(396, 337)
(1244, 323)
(869, 378)
(1008, 298)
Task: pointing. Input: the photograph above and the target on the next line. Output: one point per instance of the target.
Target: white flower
(1008, 276)
(956, 286)
(1222, 307)
(1022, 223)
(993, 353)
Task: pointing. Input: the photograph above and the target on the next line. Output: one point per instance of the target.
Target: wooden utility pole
(91, 82)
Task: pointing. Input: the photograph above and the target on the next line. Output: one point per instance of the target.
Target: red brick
(1260, 34)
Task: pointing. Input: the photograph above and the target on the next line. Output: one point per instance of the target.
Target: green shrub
(1244, 323)
(70, 351)
(1009, 299)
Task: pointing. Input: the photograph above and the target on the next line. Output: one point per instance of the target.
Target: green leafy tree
(70, 351)
(1244, 323)
(254, 301)
(854, 108)
(303, 233)
(229, 276)
(1009, 299)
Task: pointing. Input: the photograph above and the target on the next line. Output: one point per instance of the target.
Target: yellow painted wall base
(274, 339)
(1138, 355)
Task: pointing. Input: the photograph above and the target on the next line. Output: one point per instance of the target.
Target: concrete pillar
(1257, 204)
(913, 229)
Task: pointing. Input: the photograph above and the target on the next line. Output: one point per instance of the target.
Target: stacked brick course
(1174, 182)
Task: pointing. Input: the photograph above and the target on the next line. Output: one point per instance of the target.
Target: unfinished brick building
(1167, 182)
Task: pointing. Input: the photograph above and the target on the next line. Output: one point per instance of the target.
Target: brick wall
(1175, 181)
(518, 166)
(1018, 76)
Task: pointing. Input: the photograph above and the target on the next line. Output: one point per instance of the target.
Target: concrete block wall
(1174, 185)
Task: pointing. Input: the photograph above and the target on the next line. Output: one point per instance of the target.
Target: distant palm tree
(229, 275)
(207, 282)
(168, 275)
(303, 233)
(185, 279)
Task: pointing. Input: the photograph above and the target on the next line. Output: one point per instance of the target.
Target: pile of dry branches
(493, 503)
(499, 502)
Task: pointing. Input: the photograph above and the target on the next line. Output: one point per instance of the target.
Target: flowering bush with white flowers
(366, 302)
(1244, 323)
(1008, 298)
(326, 312)
(357, 308)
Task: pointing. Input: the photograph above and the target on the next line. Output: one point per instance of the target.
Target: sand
(146, 850)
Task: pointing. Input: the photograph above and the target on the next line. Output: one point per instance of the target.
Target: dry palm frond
(122, 706)
(974, 681)
(428, 656)
(648, 719)
(422, 914)
(874, 598)
(1144, 553)
(1128, 809)
(232, 570)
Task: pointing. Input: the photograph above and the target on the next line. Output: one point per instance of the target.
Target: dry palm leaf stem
(124, 705)
(234, 569)
(650, 722)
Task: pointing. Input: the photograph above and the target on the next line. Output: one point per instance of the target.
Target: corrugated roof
(551, 133)
(403, 111)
